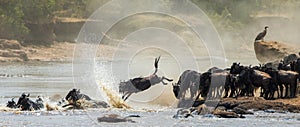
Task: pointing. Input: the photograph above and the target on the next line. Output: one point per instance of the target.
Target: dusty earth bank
(13, 51)
(272, 51)
(258, 103)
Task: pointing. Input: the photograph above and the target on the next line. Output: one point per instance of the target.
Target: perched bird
(261, 35)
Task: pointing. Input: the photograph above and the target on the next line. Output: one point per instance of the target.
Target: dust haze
(237, 37)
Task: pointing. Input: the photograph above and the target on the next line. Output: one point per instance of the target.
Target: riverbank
(258, 103)
(13, 51)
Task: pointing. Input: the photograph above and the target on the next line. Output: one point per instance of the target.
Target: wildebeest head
(234, 68)
(176, 90)
(11, 104)
(73, 95)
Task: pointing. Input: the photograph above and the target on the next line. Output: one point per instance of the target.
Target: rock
(228, 105)
(270, 111)
(114, 118)
(273, 51)
(258, 103)
(55, 97)
(241, 111)
(203, 109)
(99, 104)
(209, 115)
(51, 108)
(9, 44)
(11, 50)
(226, 114)
(183, 113)
(14, 55)
(198, 102)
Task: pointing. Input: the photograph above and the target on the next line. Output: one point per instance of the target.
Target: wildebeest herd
(238, 80)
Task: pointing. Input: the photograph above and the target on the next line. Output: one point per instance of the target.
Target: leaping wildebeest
(141, 83)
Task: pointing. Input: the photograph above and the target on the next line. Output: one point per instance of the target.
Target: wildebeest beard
(141, 83)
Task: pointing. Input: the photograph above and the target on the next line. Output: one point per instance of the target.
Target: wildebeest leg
(265, 93)
(127, 96)
(199, 93)
(262, 92)
(66, 105)
(162, 81)
(164, 78)
(286, 90)
(124, 95)
(232, 91)
(281, 90)
(293, 87)
(226, 91)
(278, 95)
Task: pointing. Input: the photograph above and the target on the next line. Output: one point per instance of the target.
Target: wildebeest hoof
(114, 118)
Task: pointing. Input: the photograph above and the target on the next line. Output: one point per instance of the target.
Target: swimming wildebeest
(74, 96)
(12, 104)
(141, 83)
(26, 104)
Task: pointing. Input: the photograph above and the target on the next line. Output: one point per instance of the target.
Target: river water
(49, 78)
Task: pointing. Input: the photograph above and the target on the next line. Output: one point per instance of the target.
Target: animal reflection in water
(141, 83)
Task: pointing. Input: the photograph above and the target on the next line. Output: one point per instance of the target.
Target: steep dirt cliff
(273, 50)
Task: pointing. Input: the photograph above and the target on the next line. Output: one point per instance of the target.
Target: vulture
(261, 35)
